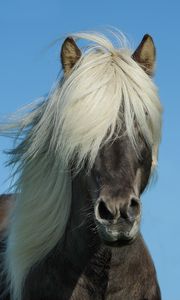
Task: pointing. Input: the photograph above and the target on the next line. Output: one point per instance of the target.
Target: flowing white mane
(106, 90)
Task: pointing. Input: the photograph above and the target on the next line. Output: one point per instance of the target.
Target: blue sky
(28, 68)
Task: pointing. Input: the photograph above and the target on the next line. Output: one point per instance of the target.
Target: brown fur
(6, 202)
(124, 272)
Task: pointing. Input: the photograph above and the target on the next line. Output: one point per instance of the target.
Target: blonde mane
(106, 91)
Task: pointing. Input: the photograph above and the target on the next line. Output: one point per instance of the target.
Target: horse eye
(98, 178)
(140, 160)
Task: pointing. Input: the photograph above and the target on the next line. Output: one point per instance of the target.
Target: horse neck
(80, 241)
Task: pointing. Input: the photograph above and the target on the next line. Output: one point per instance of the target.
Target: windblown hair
(105, 92)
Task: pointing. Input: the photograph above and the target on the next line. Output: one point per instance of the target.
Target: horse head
(120, 172)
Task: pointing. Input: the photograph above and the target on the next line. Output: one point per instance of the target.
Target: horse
(82, 159)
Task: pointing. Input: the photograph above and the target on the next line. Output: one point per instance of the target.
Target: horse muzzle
(116, 221)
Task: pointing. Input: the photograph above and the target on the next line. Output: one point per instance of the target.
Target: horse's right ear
(70, 54)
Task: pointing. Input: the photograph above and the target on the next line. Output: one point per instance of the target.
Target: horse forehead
(116, 155)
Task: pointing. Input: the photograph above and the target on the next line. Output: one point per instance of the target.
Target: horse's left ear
(145, 54)
(70, 54)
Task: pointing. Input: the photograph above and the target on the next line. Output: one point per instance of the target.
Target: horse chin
(117, 237)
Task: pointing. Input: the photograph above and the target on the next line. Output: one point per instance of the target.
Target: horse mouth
(111, 235)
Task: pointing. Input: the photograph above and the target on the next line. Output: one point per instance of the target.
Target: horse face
(117, 180)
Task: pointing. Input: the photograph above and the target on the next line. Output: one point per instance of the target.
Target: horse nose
(104, 212)
(128, 212)
(133, 209)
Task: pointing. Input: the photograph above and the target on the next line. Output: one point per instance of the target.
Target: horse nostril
(104, 212)
(134, 207)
